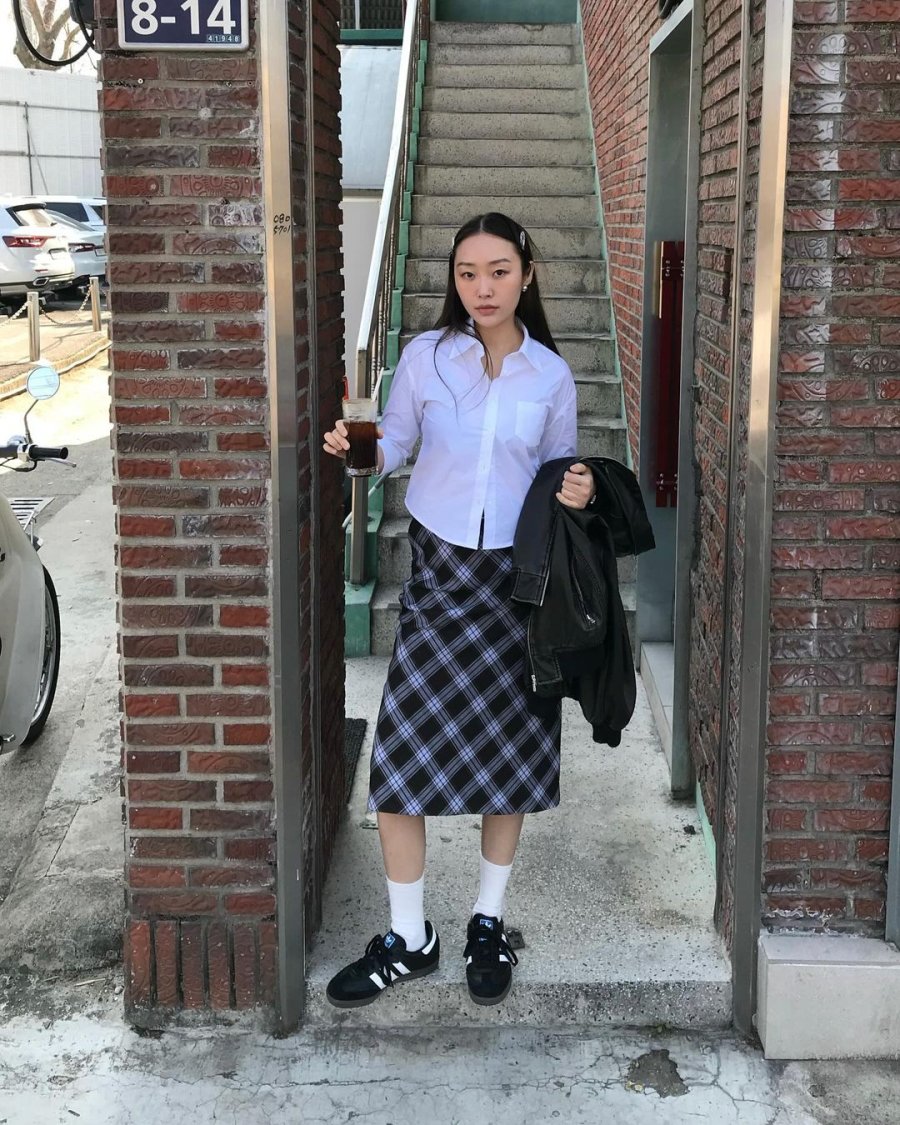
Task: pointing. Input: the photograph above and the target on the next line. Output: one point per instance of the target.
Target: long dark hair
(529, 310)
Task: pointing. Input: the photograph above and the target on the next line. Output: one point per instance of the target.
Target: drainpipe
(755, 625)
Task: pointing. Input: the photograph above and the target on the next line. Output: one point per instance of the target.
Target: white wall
(54, 114)
(360, 218)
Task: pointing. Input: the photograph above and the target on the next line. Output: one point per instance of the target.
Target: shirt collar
(460, 344)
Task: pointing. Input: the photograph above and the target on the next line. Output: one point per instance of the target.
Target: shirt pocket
(530, 420)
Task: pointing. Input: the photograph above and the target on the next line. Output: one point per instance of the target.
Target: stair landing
(613, 893)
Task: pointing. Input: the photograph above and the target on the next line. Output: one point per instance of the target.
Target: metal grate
(368, 14)
(26, 508)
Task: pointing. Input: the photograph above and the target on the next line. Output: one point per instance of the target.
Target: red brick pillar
(835, 592)
(187, 239)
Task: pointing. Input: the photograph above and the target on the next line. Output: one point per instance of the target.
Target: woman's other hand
(577, 487)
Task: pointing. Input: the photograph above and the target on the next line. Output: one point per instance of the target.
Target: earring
(524, 287)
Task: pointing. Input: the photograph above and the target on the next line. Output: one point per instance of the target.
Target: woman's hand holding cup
(337, 442)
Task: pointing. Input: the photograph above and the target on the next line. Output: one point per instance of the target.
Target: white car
(90, 210)
(34, 252)
(86, 245)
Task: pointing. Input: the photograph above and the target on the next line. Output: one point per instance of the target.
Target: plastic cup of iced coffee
(359, 418)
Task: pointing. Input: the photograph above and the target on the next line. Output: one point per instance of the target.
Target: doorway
(666, 453)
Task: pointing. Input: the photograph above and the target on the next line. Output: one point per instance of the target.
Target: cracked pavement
(80, 1060)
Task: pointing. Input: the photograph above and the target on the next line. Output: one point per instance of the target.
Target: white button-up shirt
(481, 452)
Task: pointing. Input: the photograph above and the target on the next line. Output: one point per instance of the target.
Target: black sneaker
(385, 961)
(489, 960)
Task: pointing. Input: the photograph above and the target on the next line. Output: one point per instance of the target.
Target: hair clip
(522, 239)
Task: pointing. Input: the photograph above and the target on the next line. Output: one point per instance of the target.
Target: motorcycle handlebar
(46, 452)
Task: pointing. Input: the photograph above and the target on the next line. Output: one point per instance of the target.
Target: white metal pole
(95, 303)
(34, 326)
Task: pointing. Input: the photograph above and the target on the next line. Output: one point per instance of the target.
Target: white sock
(492, 890)
(408, 911)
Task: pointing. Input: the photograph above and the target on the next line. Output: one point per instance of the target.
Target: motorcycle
(29, 610)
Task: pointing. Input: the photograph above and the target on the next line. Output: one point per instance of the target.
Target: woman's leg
(403, 847)
(499, 838)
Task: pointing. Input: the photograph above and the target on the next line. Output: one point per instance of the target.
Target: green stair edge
(358, 599)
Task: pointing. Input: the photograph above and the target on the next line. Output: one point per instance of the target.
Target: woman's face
(489, 278)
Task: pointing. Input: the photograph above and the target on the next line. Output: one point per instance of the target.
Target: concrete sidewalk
(90, 1066)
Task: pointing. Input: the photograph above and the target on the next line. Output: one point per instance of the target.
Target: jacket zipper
(530, 656)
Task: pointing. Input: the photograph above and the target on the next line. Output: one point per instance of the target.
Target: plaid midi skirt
(454, 733)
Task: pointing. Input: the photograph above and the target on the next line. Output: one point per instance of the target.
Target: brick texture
(837, 504)
(616, 42)
(181, 150)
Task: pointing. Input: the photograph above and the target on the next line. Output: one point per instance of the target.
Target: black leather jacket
(564, 562)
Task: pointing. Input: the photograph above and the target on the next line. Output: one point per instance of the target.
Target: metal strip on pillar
(755, 625)
(287, 727)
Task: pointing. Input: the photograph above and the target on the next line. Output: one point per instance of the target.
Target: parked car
(34, 251)
(90, 210)
(86, 245)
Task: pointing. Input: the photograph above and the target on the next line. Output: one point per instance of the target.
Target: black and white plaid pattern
(454, 732)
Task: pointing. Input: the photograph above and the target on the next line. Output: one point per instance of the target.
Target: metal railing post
(34, 326)
(95, 303)
(375, 321)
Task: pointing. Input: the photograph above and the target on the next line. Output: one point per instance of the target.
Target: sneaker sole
(371, 999)
(487, 1001)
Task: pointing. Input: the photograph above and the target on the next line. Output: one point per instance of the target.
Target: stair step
(578, 314)
(575, 242)
(527, 209)
(505, 99)
(393, 547)
(443, 72)
(602, 437)
(598, 395)
(593, 353)
(442, 179)
(439, 151)
(429, 275)
(544, 34)
(500, 126)
(495, 55)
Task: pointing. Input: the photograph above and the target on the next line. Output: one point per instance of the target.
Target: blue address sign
(184, 25)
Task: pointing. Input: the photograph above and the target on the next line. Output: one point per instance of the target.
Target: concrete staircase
(505, 128)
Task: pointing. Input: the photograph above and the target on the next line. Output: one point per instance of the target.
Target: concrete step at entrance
(475, 79)
(575, 314)
(534, 34)
(584, 352)
(514, 126)
(441, 179)
(496, 55)
(434, 151)
(429, 275)
(527, 209)
(613, 894)
(504, 99)
(577, 242)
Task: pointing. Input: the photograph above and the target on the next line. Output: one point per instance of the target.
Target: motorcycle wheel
(50, 665)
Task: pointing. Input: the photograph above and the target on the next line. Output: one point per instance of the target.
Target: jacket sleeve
(560, 437)
(401, 422)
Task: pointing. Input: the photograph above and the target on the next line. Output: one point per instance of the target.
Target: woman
(492, 400)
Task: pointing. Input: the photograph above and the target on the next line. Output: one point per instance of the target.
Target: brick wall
(191, 448)
(616, 46)
(835, 589)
